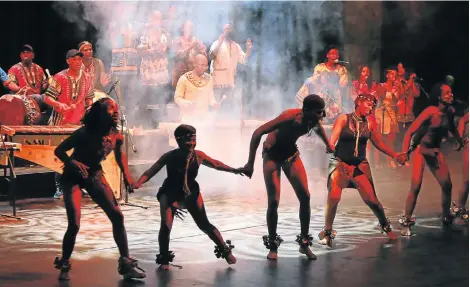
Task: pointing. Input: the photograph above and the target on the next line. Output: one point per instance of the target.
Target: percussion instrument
(38, 143)
(21, 110)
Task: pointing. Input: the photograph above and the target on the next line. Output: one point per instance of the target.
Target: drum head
(17, 110)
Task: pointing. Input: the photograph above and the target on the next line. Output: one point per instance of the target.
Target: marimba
(39, 142)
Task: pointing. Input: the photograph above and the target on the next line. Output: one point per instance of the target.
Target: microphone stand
(123, 120)
(12, 180)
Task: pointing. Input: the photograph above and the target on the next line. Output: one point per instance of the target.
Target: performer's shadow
(223, 277)
(164, 277)
(130, 283)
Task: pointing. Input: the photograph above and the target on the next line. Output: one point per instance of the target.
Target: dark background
(437, 47)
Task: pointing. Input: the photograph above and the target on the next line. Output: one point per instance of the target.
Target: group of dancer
(349, 168)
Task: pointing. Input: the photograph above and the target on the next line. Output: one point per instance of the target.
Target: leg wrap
(407, 222)
(385, 228)
(126, 264)
(272, 242)
(304, 240)
(459, 211)
(62, 265)
(165, 259)
(330, 233)
(224, 251)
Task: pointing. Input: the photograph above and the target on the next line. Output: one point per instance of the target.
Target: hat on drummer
(83, 44)
(73, 53)
(26, 48)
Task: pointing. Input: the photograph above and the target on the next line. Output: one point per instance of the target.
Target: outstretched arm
(213, 163)
(121, 160)
(415, 126)
(453, 130)
(266, 128)
(153, 170)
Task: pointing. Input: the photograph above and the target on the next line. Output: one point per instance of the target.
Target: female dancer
(433, 124)
(92, 143)
(181, 190)
(458, 209)
(349, 167)
(280, 151)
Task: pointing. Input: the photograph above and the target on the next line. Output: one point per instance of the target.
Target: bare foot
(231, 259)
(272, 255)
(308, 253)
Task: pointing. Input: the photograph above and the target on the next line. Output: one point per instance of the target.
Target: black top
(173, 185)
(347, 141)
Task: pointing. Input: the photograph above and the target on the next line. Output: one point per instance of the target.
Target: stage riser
(36, 185)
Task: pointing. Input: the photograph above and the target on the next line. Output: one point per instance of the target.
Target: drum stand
(123, 121)
(12, 179)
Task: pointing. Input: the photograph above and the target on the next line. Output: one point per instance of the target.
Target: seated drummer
(70, 92)
(26, 77)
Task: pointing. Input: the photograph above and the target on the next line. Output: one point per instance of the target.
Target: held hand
(79, 168)
(240, 171)
(130, 185)
(137, 185)
(248, 170)
(401, 158)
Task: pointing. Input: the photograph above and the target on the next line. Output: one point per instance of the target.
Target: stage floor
(361, 255)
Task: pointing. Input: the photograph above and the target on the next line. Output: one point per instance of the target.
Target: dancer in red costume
(349, 167)
(432, 125)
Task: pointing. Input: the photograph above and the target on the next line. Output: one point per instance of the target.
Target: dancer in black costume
(181, 190)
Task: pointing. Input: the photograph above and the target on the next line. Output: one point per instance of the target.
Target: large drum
(22, 110)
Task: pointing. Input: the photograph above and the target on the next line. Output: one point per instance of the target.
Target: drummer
(94, 67)
(26, 77)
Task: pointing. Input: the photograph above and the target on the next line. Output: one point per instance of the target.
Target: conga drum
(19, 110)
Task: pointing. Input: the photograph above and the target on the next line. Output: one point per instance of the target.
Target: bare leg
(438, 167)
(167, 216)
(198, 212)
(272, 180)
(463, 196)
(295, 173)
(366, 190)
(417, 167)
(100, 191)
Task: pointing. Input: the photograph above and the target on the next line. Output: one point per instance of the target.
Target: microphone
(341, 62)
(113, 87)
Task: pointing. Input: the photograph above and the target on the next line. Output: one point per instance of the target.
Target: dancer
(92, 143)
(349, 167)
(458, 209)
(433, 124)
(181, 190)
(280, 151)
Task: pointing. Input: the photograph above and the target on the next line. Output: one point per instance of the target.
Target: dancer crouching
(280, 151)
(349, 167)
(181, 190)
(91, 144)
